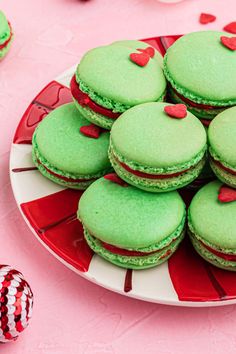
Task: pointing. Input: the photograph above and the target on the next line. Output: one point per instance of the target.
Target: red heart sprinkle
(149, 50)
(116, 179)
(206, 18)
(176, 111)
(231, 27)
(140, 59)
(226, 194)
(92, 131)
(229, 42)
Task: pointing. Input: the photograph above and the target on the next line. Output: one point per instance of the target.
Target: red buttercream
(224, 168)
(194, 104)
(124, 252)
(227, 257)
(66, 179)
(3, 45)
(149, 175)
(84, 100)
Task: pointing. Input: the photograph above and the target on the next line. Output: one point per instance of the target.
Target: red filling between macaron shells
(220, 165)
(65, 179)
(225, 256)
(129, 253)
(83, 99)
(3, 45)
(149, 175)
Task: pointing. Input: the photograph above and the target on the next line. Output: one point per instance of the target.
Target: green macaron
(212, 225)
(109, 80)
(222, 146)
(64, 154)
(6, 35)
(201, 72)
(130, 227)
(156, 152)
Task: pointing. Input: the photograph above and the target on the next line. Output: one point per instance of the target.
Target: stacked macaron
(113, 78)
(135, 217)
(201, 71)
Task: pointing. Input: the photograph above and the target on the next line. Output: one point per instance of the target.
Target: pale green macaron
(107, 82)
(6, 35)
(212, 226)
(201, 72)
(222, 146)
(156, 152)
(66, 156)
(130, 227)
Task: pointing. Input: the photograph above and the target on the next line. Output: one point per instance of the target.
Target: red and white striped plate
(50, 212)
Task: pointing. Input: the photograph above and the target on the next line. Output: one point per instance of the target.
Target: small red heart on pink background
(91, 131)
(231, 27)
(226, 194)
(149, 50)
(206, 18)
(229, 42)
(116, 179)
(176, 111)
(140, 59)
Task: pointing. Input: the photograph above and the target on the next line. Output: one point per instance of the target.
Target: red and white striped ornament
(16, 302)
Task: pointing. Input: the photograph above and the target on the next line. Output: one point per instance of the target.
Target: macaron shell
(112, 213)
(200, 67)
(110, 73)
(4, 28)
(213, 221)
(147, 136)
(58, 140)
(222, 137)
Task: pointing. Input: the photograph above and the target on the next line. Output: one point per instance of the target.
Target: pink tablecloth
(71, 315)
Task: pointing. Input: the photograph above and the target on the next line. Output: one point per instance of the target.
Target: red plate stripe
(52, 96)
(196, 280)
(54, 219)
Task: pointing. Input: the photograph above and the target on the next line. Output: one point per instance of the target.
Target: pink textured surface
(72, 315)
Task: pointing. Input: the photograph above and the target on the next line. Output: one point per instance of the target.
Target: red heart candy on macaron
(231, 27)
(229, 42)
(149, 50)
(178, 111)
(92, 131)
(206, 18)
(116, 179)
(226, 194)
(140, 59)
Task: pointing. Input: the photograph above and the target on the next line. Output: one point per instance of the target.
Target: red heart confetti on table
(231, 27)
(91, 131)
(140, 59)
(229, 42)
(150, 51)
(176, 111)
(206, 18)
(226, 194)
(116, 179)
